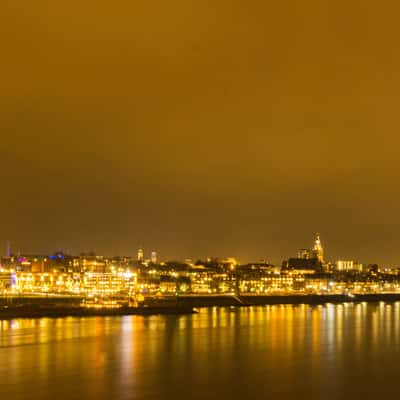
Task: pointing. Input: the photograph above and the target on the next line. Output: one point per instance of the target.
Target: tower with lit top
(140, 255)
(154, 257)
(318, 250)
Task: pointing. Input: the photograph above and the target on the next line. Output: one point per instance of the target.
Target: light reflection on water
(290, 352)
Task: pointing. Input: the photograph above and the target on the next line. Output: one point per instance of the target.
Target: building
(304, 253)
(349, 265)
(96, 283)
(140, 255)
(318, 250)
(6, 281)
(153, 257)
(92, 263)
(302, 266)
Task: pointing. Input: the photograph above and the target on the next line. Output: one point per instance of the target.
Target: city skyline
(199, 199)
(316, 250)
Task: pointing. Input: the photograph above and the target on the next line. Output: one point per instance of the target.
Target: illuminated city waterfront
(287, 352)
(199, 200)
(61, 285)
(130, 280)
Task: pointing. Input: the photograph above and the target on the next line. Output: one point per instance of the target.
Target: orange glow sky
(196, 128)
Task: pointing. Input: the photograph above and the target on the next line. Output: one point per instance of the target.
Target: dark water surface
(347, 351)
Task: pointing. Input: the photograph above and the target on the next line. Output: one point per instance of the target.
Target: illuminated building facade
(318, 250)
(349, 265)
(304, 253)
(6, 281)
(108, 284)
(140, 255)
(342, 265)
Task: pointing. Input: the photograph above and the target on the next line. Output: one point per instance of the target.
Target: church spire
(318, 250)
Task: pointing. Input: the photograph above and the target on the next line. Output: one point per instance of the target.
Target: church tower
(140, 255)
(318, 250)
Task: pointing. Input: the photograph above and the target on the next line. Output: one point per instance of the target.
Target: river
(345, 351)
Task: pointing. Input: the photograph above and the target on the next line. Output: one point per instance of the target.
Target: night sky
(201, 128)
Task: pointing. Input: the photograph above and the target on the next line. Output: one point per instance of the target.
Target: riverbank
(57, 307)
(259, 300)
(60, 312)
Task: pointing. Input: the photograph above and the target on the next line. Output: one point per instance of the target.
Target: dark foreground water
(273, 352)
